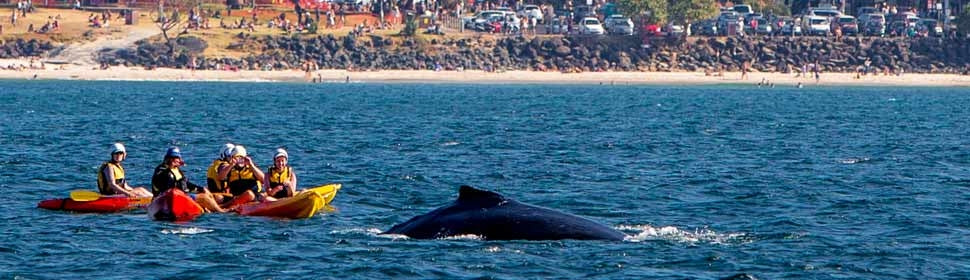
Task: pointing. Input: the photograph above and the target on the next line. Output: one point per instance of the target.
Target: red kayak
(174, 205)
(105, 204)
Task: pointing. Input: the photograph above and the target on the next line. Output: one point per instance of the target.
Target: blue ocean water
(709, 182)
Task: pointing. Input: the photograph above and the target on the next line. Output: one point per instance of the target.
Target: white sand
(75, 72)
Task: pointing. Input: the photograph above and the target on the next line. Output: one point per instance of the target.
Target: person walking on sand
(744, 70)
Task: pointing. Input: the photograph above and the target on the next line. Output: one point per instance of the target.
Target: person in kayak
(281, 182)
(111, 175)
(169, 175)
(243, 178)
(218, 186)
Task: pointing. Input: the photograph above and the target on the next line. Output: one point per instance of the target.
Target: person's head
(280, 158)
(118, 152)
(226, 151)
(239, 152)
(173, 157)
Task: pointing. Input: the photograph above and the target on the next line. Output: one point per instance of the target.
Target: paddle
(86, 195)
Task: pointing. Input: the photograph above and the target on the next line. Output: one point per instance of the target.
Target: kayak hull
(174, 205)
(303, 205)
(100, 205)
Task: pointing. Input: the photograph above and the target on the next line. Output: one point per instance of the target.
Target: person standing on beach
(744, 70)
(817, 70)
(111, 175)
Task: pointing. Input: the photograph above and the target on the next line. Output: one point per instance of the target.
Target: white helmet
(226, 151)
(239, 150)
(117, 148)
(281, 153)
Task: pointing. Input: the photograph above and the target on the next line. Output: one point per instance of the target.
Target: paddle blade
(84, 195)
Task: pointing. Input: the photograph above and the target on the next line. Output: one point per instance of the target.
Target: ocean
(707, 181)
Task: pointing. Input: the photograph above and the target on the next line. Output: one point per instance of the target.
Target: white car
(557, 25)
(531, 11)
(614, 19)
(591, 25)
(816, 25)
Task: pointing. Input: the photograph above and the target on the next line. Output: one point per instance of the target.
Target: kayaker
(218, 186)
(169, 175)
(111, 175)
(243, 178)
(281, 182)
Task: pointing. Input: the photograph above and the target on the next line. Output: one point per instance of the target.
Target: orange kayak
(104, 204)
(303, 205)
(174, 205)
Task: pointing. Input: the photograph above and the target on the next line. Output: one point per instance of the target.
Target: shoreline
(85, 73)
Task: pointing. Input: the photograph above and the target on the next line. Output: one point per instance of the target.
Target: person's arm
(225, 168)
(292, 183)
(109, 177)
(256, 171)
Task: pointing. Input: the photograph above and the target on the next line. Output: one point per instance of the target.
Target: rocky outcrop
(599, 53)
(23, 48)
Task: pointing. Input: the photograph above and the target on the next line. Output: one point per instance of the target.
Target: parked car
(865, 10)
(848, 24)
(875, 28)
(609, 21)
(621, 27)
(531, 11)
(764, 27)
(898, 28)
(557, 25)
(743, 10)
(826, 13)
(582, 12)
(933, 28)
(480, 19)
(706, 28)
(591, 25)
(790, 28)
(651, 30)
(816, 25)
(674, 30)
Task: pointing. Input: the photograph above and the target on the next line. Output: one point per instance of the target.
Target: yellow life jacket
(278, 176)
(117, 171)
(240, 180)
(212, 176)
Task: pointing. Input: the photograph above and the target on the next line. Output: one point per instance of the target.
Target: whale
(491, 216)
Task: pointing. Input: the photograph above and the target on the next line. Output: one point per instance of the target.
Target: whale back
(493, 217)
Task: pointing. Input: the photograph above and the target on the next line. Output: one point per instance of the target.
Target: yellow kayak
(302, 205)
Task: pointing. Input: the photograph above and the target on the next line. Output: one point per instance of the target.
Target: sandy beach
(82, 72)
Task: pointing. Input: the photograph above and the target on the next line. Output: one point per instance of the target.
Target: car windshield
(528, 8)
(818, 21)
(622, 23)
(742, 9)
(826, 13)
(846, 20)
(591, 22)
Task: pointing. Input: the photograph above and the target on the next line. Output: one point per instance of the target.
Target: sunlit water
(708, 182)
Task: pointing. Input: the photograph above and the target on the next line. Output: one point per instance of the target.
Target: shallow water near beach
(708, 182)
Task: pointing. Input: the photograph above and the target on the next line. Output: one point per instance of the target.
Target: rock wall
(21, 48)
(598, 53)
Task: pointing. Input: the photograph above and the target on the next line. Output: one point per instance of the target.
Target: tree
(963, 20)
(692, 10)
(166, 23)
(657, 9)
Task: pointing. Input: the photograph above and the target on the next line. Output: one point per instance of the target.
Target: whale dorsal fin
(472, 195)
